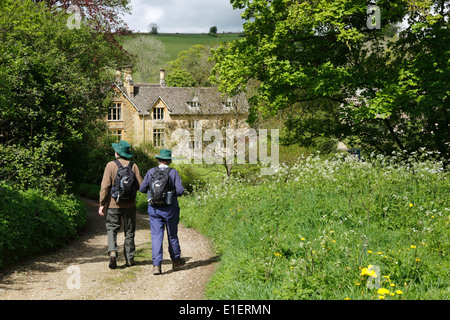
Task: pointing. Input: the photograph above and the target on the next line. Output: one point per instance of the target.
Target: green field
(176, 43)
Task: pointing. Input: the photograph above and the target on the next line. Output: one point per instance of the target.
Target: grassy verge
(329, 229)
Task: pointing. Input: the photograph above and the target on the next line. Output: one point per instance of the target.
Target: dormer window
(158, 113)
(193, 104)
(227, 105)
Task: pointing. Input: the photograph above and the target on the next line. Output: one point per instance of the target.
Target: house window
(158, 113)
(224, 123)
(117, 134)
(193, 104)
(228, 105)
(158, 137)
(193, 124)
(115, 112)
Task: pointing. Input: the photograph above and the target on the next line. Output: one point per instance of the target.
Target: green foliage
(180, 78)
(54, 91)
(192, 68)
(309, 231)
(34, 223)
(303, 51)
(149, 57)
(213, 31)
(34, 167)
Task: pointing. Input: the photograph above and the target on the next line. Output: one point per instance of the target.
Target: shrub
(33, 223)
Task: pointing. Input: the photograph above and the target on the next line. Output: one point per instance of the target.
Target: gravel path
(80, 270)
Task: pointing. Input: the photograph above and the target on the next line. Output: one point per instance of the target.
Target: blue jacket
(176, 181)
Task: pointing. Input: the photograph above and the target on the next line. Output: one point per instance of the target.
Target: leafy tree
(197, 62)
(153, 28)
(149, 54)
(101, 15)
(54, 88)
(180, 78)
(213, 31)
(303, 51)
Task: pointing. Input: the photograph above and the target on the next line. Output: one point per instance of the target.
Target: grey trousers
(113, 223)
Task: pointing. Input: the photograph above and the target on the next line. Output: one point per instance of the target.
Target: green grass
(309, 231)
(176, 43)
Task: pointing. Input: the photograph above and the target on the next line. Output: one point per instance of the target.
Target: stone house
(149, 113)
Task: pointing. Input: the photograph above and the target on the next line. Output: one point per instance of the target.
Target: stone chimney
(128, 81)
(118, 77)
(162, 78)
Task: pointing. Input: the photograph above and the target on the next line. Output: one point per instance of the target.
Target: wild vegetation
(324, 229)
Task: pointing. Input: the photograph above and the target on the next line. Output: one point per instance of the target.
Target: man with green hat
(115, 210)
(164, 216)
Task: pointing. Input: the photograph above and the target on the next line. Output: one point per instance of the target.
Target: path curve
(84, 264)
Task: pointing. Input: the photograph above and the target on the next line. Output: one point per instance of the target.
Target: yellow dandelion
(364, 272)
(410, 205)
(381, 297)
(347, 298)
(399, 292)
(413, 246)
(392, 285)
(369, 251)
(382, 291)
(303, 239)
(392, 294)
(417, 260)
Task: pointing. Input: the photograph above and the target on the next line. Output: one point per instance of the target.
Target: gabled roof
(124, 92)
(210, 100)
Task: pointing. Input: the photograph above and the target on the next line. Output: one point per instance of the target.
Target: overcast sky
(184, 16)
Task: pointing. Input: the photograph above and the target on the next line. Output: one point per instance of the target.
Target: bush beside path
(52, 276)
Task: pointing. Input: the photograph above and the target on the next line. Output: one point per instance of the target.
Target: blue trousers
(160, 220)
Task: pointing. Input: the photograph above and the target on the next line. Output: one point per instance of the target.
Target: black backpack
(160, 186)
(124, 183)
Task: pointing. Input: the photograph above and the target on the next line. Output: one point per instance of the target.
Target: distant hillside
(175, 43)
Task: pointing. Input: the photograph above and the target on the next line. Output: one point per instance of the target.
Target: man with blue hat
(116, 209)
(165, 215)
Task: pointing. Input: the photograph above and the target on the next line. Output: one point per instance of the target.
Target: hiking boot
(130, 262)
(157, 270)
(177, 264)
(112, 260)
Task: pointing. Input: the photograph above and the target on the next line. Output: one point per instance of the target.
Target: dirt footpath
(80, 271)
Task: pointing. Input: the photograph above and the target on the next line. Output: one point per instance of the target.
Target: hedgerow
(34, 223)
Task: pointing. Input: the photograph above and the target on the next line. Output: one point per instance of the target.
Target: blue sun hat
(123, 149)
